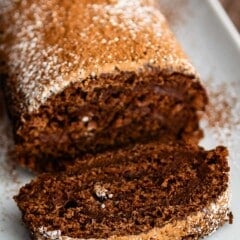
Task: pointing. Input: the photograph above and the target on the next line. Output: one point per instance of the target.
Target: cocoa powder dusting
(222, 114)
(174, 11)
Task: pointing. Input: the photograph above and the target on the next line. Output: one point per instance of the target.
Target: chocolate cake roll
(85, 76)
(150, 191)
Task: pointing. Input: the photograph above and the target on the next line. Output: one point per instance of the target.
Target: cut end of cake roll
(92, 75)
(149, 191)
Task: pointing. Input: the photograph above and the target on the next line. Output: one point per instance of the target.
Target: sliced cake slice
(85, 76)
(149, 191)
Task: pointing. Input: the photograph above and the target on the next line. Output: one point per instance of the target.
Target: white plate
(213, 45)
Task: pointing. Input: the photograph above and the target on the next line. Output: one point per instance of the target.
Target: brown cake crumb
(230, 215)
(154, 187)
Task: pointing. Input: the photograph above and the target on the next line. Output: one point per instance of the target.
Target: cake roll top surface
(50, 44)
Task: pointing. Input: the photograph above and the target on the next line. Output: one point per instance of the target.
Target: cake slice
(86, 76)
(149, 191)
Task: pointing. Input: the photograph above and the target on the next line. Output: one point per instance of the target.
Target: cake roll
(150, 191)
(88, 75)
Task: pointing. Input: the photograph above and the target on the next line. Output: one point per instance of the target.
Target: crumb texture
(137, 190)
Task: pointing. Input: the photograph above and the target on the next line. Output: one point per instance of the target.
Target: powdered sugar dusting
(55, 43)
(35, 65)
(53, 235)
